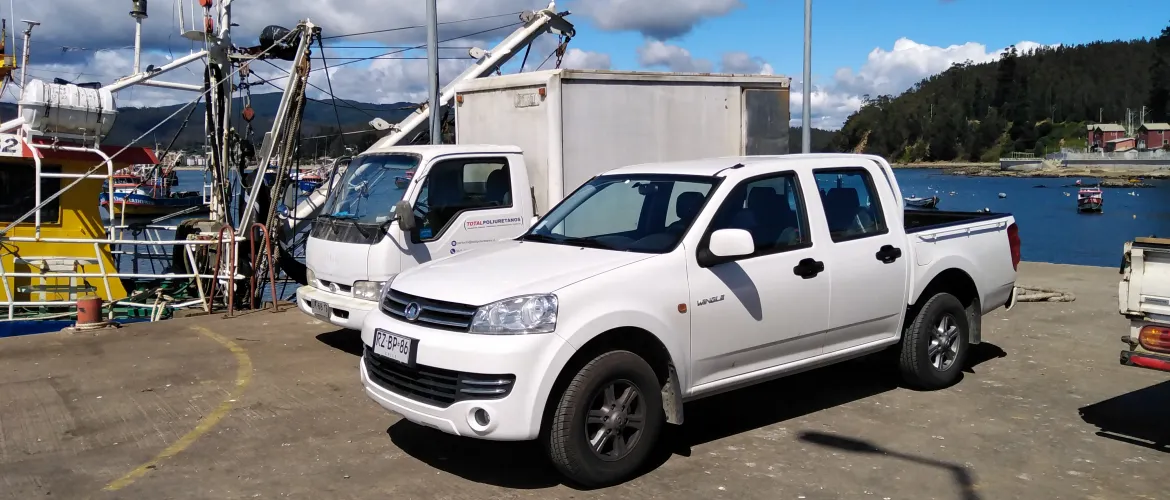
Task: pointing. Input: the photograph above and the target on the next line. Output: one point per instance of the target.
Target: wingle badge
(711, 300)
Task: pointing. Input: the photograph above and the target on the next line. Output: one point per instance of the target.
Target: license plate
(321, 309)
(396, 347)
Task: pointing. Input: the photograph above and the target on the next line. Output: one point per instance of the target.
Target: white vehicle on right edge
(653, 285)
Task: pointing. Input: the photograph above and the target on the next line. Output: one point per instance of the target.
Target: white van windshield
(370, 188)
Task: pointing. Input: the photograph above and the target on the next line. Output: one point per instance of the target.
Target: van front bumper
(344, 311)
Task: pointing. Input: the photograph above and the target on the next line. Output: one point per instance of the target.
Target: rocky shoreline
(1108, 176)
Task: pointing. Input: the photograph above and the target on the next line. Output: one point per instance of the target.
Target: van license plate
(321, 309)
(396, 347)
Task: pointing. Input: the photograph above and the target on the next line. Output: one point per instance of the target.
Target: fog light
(481, 417)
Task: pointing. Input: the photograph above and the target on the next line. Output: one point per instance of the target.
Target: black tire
(919, 369)
(565, 439)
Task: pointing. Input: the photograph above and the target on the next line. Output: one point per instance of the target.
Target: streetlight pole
(806, 107)
(433, 69)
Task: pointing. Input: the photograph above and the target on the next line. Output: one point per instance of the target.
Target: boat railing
(61, 267)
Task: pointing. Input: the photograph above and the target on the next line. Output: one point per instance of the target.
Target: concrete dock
(269, 406)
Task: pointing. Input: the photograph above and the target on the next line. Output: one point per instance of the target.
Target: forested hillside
(1035, 102)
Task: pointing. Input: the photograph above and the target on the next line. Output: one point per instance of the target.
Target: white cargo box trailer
(574, 124)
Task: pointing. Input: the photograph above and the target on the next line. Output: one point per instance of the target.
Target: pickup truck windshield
(370, 187)
(637, 213)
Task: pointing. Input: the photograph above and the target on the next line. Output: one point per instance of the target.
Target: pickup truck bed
(924, 220)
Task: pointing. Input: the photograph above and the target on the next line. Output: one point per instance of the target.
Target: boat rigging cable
(404, 28)
(95, 168)
(399, 51)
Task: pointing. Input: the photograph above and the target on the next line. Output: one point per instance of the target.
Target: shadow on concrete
(1138, 418)
(982, 353)
(349, 341)
(520, 465)
(962, 476)
(525, 465)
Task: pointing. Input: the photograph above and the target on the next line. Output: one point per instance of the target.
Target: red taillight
(1013, 233)
(1151, 363)
(1155, 338)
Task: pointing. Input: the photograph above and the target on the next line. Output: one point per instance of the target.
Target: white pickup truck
(656, 284)
(1143, 296)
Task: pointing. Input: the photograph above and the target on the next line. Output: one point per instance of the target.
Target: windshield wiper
(352, 219)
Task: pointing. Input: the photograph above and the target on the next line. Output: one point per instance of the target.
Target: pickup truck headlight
(369, 290)
(517, 316)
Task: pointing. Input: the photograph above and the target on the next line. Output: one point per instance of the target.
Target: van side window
(456, 186)
(769, 208)
(851, 202)
(18, 193)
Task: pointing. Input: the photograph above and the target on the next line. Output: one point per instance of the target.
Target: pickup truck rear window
(852, 207)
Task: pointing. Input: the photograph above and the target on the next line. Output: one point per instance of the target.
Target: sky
(860, 47)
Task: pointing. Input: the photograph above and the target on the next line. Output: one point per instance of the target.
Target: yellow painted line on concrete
(243, 377)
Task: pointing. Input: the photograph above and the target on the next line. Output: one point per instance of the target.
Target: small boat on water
(918, 202)
(401, 181)
(1089, 199)
(147, 191)
(309, 181)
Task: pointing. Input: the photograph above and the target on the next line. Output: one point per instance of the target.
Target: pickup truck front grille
(434, 386)
(433, 313)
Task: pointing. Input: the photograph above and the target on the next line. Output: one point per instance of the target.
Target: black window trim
(702, 253)
(416, 235)
(869, 184)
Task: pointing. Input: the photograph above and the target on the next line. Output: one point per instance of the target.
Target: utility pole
(433, 69)
(806, 107)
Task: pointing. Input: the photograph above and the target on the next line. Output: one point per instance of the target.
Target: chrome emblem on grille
(412, 311)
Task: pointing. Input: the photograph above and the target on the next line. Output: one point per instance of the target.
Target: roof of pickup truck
(445, 149)
(713, 166)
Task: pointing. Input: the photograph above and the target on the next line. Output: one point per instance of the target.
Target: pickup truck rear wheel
(607, 420)
(934, 346)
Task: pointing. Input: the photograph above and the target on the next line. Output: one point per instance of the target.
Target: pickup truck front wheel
(934, 346)
(607, 420)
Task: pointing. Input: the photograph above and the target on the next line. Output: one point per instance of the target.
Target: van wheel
(934, 346)
(607, 420)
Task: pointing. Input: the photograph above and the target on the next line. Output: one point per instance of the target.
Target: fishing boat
(401, 181)
(309, 181)
(918, 202)
(149, 191)
(1089, 199)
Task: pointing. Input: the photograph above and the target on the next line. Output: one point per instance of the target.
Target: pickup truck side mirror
(731, 243)
(405, 215)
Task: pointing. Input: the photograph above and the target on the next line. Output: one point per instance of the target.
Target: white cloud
(744, 63)
(890, 72)
(580, 59)
(658, 54)
(660, 20)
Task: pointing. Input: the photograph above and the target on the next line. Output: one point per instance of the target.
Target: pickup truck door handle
(888, 254)
(808, 268)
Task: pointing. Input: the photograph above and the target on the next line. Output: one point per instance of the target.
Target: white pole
(137, 45)
(806, 107)
(433, 70)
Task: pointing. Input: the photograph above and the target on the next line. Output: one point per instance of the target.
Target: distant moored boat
(1089, 199)
(922, 202)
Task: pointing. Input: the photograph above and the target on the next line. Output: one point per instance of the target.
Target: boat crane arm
(535, 24)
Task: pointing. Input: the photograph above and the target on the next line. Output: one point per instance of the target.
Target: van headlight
(517, 316)
(368, 290)
(311, 277)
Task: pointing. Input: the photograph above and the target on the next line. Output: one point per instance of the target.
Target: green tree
(1159, 102)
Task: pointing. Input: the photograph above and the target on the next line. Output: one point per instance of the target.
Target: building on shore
(1153, 136)
(1102, 133)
